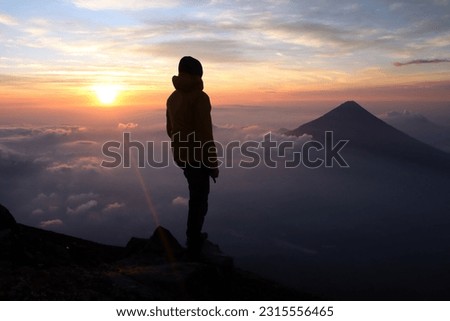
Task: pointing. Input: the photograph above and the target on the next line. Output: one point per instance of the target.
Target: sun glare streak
(152, 209)
(147, 196)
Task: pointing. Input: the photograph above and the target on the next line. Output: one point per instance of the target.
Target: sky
(61, 53)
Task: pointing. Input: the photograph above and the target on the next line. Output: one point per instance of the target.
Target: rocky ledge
(41, 265)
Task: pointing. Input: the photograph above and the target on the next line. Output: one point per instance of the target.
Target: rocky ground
(40, 265)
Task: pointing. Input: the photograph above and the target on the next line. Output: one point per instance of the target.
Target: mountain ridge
(367, 133)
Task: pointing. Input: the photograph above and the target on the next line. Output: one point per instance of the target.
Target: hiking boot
(195, 245)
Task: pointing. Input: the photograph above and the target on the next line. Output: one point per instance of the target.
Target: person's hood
(187, 83)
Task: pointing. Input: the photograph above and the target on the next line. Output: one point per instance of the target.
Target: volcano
(368, 134)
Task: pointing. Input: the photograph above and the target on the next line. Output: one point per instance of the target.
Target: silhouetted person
(189, 126)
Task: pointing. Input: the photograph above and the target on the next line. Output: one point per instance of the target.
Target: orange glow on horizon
(113, 96)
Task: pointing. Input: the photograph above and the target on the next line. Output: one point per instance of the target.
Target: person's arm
(168, 123)
(203, 119)
(204, 131)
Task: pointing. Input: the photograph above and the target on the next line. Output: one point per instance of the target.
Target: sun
(106, 94)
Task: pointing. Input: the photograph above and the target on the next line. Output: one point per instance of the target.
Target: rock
(211, 254)
(136, 245)
(162, 244)
(162, 241)
(9, 243)
(7, 221)
(41, 265)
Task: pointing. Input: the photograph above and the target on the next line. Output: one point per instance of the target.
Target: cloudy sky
(60, 52)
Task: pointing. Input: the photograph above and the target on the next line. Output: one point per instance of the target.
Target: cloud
(123, 5)
(14, 164)
(127, 125)
(420, 62)
(82, 208)
(45, 203)
(208, 48)
(8, 154)
(180, 201)
(80, 143)
(7, 20)
(51, 223)
(44, 198)
(10, 131)
(406, 114)
(39, 135)
(57, 131)
(83, 197)
(330, 38)
(79, 164)
(37, 212)
(113, 207)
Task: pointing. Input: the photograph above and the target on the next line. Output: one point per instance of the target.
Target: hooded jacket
(189, 124)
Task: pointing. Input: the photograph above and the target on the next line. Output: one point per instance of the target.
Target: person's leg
(198, 180)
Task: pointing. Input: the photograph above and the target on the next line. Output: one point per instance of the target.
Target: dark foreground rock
(42, 265)
(7, 221)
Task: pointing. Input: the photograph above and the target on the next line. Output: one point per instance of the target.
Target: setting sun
(106, 94)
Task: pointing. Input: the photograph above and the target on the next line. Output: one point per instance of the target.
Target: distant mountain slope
(368, 133)
(420, 127)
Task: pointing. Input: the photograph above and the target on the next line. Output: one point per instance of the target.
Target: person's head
(190, 66)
